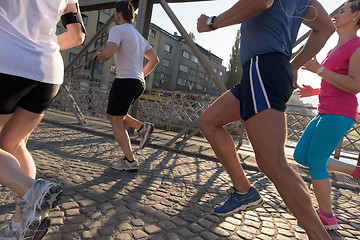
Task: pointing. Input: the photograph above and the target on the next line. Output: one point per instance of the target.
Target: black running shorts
(28, 94)
(123, 93)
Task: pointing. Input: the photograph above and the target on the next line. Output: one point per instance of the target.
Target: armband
(71, 17)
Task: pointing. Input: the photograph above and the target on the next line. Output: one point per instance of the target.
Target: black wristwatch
(210, 22)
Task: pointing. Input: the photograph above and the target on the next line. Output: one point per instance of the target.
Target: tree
(235, 69)
(192, 36)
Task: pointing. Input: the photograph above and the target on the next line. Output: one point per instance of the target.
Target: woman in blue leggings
(337, 112)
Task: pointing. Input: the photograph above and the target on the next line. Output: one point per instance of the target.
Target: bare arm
(73, 36)
(348, 83)
(242, 11)
(322, 28)
(107, 53)
(308, 91)
(153, 60)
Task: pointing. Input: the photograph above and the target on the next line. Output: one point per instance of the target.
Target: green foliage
(235, 69)
(192, 36)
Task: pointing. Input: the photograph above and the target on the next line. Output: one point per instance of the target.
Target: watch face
(209, 20)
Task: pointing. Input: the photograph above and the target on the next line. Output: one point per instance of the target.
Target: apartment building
(178, 69)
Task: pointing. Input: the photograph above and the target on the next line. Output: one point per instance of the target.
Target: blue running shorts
(267, 82)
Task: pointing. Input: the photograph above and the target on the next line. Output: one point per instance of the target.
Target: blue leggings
(319, 141)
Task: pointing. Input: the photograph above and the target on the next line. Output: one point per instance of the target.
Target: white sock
(15, 225)
(240, 193)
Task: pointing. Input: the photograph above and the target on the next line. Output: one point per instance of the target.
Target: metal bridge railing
(176, 111)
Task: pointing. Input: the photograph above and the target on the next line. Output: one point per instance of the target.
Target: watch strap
(211, 26)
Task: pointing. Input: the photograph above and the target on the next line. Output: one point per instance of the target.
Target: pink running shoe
(329, 223)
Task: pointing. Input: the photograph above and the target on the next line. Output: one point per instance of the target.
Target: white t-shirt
(129, 57)
(28, 43)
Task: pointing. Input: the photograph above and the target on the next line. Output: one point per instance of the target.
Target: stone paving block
(167, 225)
(139, 234)
(69, 205)
(106, 230)
(56, 221)
(156, 237)
(268, 231)
(70, 228)
(93, 224)
(86, 203)
(194, 227)
(209, 235)
(88, 210)
(137, 222)
(227, 226)
(196, 238)
(152, 229)
(72, 212)
(123, 236)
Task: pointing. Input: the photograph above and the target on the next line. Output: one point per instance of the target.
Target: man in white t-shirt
(129, 48)
(31, 71)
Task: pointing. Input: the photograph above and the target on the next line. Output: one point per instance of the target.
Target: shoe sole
(123, 169)
(242, 210)
(331, 227)
(39, 232)
(147, 137)
(49, 199)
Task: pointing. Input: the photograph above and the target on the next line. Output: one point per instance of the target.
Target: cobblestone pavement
(171, 197)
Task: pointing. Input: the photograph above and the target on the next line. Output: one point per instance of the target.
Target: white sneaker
(145, 134)
(7, 231)
(125, 165)
(43, 196)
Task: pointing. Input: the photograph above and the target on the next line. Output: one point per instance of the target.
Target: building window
(88, 65)
(58, 30)
(163, 78)
(199, 87)
(85, 19)
(72, 56)
(184, 68)
(201, 75)
(221, 73)
(107, 11)
(113, 69)
(152, 33)
(99, 66)
(181, 82)
(194, 59)
(165, 62)
(167, 48)
(215, 70)
(186, 54)
(100, 24)
(193, 72)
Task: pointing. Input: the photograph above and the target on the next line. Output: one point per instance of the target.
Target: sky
(220, 42)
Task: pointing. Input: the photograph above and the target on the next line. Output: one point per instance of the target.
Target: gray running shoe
(125, 165)
(7, 231)
(44, 195)
(145, 134)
